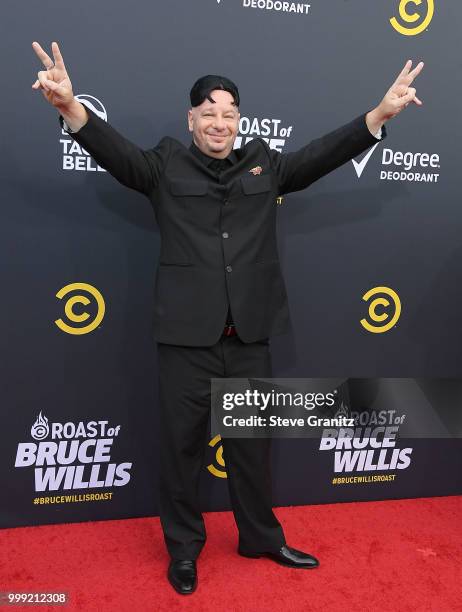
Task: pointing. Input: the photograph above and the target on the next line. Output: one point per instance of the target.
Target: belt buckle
(229, 330)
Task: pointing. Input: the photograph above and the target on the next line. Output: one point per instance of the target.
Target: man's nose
(219, 123)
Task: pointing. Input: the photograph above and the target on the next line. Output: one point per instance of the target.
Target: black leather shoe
(285, 556)
(182, 575)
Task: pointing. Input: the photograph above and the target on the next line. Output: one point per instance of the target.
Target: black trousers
(184, 384)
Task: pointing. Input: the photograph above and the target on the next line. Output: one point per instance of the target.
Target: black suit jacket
(218, 236)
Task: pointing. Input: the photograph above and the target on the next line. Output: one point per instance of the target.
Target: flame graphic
(40, 429)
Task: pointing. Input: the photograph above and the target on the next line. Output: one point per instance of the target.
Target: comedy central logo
(413, 23)
(219, 472)
(76, 157)
(82, 317)
(384, 309)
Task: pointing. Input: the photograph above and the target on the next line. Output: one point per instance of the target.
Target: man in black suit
(220, 294)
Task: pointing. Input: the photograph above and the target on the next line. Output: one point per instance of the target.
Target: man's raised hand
(54, 80)
(401, 94)
(397, 98)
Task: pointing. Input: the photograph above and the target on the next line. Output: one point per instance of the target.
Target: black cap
(203, 86)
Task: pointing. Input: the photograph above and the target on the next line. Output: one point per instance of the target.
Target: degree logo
(359, 166)
(410, 18)
(84, 316)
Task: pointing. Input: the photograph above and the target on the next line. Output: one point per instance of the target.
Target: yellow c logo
(80, 299)
(411, 18)
(381, 317)
(219, 457)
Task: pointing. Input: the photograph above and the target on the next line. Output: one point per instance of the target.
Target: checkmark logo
(359, 166)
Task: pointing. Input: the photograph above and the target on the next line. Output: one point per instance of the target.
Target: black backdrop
(393, 221)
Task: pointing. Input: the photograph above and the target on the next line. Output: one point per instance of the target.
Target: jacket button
(229, 269)
(225, 235)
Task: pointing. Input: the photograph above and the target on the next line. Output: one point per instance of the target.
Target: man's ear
(190, 120)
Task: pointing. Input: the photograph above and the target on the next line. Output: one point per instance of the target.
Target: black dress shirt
(218, 166)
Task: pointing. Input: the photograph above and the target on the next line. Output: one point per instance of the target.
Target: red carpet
(388, 556)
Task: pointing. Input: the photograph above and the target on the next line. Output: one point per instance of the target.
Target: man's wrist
(375, 122)
(74, 115)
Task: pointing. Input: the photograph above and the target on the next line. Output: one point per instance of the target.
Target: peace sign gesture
(54, 80)
(400, 94)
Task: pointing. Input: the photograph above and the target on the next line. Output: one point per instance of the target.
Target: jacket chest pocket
(186, 187)
(256, 184)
